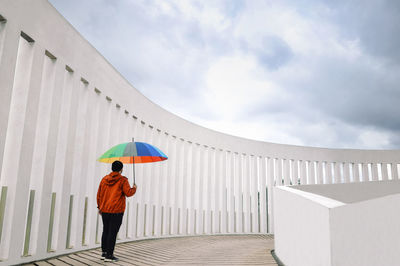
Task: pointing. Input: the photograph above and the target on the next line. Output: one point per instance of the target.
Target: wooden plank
(70, 261)
(215, 250)
(57, 262)
(85, 259)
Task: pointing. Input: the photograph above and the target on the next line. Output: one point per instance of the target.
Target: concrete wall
(354, 192)
(63, 105)
(302, 223)
(366, 233)
(311, 229)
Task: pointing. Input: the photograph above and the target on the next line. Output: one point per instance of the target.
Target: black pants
(111, 224)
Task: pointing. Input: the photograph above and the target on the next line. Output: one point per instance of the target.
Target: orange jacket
(113, 190)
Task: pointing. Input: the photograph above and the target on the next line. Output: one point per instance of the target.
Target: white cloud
(301, 73)
(233, 84)
(374, 139)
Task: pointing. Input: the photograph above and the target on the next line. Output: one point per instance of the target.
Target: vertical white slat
(148, 180)
(61, 151)
(172, 199)
(356, 172)
(301, 177)
(208, 191)
(134, 208)
(224, 192)
(211, 191)
(246, 193)
(189, 189)
(254, 192)
(218, 192)
(248, 180)
(320, 172)
(3, 37)
(337, 172)
(102, 169)
(42, 125)
(133, 201)
(81, 166)
(152, 186)
(193, 187)
(14, 134)
(20, 206)
(237, 192)
(160, 183)
(157, 187)
(99, 168)
(286, 172)
(185, 182)
(199, 189)
(178, 194)
(91, 188)
(365, 172)
(24, 182)
(278, 172)
(9, 58)
(395, 173)
(69, 197)
(236, 178)
(295, 173)
(77, 180)
(239, 215)
(166, 186)
(181, 183)
(203, 190)
(328, 173)
(346, 172)
(147, 186)
(213, 169)
(141, 186)
(303, 172)
(375, 176)
(231, 192)
(202, 172)
(119, 136)
(385, 174)
(263, 194)
(124, 135)
(270, 185)
(311, 172)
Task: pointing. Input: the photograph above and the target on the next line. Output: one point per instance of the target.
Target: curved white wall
(62, 105)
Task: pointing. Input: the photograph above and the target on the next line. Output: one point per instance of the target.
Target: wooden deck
(196, 250)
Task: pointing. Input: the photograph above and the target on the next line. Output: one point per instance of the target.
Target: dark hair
(117, 166)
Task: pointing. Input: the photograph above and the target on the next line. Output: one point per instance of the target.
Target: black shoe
(103, 255)
(111, 259)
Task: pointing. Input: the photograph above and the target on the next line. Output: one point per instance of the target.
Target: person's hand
(134, 185)
(100, 212)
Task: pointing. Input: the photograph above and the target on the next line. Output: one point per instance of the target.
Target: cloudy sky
(304, 72)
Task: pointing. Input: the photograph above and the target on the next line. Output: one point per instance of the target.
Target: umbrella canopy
(133, 152)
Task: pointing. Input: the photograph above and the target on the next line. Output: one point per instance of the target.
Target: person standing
(111, 197)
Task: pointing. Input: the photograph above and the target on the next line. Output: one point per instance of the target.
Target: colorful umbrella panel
(133, 152)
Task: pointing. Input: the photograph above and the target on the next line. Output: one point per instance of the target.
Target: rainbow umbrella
(133, 152)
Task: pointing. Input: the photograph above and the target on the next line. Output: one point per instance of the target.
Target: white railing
(63, 105)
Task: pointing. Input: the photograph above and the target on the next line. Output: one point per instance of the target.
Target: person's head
(117, 166)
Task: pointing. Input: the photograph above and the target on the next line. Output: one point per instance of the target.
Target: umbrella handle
(133, 164)
(133, 167)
